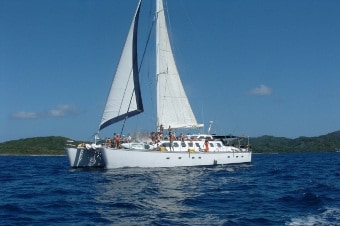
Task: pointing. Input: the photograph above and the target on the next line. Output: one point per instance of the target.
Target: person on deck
(161, 129)
(206, 144)
(117, 141)
(182, 137)
(170, 129)
(171, 139)
(108, 143)
(114, 140)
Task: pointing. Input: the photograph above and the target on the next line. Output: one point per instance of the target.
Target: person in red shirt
(206, 144)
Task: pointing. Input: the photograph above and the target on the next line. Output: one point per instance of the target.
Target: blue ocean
(275, 189)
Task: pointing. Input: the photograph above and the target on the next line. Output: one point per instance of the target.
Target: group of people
(156, 137)
(116, 141)
(172, 138)
(159, 135)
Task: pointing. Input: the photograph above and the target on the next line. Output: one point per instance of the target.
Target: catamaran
(173, 112)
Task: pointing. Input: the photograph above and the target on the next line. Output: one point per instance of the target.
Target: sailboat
(173, 113)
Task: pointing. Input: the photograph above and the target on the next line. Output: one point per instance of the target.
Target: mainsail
(124, 99)
(173, 108)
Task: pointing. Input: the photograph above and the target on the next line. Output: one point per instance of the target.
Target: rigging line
(126, 117)
(146, 46)
(121, 132)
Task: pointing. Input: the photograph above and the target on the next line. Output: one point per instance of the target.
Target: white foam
(331, 216)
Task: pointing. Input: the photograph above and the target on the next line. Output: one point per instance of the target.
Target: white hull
(117, 158)
(81, 157)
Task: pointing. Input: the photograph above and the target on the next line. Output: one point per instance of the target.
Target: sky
(252, 67)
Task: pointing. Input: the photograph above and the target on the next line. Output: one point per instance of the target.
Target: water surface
(275, 189)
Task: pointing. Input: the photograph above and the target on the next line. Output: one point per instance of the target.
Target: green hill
(270, 144)
(34, 146)
(54, 145)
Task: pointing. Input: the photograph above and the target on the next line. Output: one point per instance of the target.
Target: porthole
(167, 157)
(179, 157)
(193, 157)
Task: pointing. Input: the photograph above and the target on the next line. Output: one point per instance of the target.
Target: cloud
(262, 90)
(24, 115)
(62, 110)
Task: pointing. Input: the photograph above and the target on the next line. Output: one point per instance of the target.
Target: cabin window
(191, 145)
(183, 144)
(166, 145)
(176, 144)
(219, 145)
(197, 145)
(211, 145)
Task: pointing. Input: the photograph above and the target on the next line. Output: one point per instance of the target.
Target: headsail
(173, 108)
(124, 99)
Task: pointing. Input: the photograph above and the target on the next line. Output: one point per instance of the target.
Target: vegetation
(34, 146)
(270, 144)
(264, 144)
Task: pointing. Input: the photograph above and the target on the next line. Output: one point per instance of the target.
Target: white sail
(124, 99)
(173, 108)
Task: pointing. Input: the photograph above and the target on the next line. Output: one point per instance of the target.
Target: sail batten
(124, 99)
(173, 107)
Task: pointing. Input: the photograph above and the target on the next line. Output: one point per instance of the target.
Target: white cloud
(262, 90)
(24, 115)
(61, 110)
